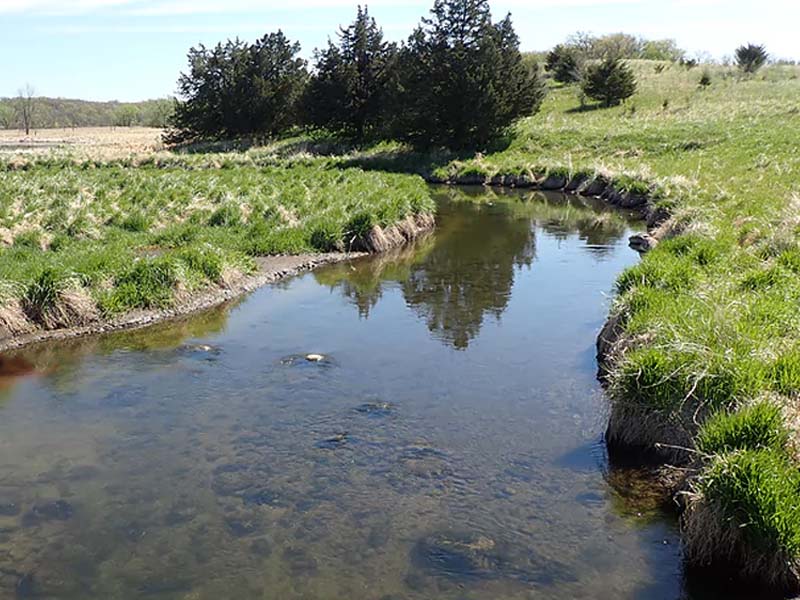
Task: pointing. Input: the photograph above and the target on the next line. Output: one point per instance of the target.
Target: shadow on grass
(407, 159)
(586, 108)
(348, 152)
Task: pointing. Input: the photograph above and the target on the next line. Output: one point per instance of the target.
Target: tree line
(27, 111)
(458, 81)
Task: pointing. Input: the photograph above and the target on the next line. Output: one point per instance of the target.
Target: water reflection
(464, 273)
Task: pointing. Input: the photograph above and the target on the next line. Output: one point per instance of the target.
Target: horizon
(134, 50)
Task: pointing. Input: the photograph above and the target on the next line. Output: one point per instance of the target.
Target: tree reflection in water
(464, 272)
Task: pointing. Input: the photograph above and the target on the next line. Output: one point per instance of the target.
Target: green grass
(757, 491)
(756, 426)
(132, 236)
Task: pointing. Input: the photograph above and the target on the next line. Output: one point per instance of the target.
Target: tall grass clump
(148, 283)
(756, 426)
(745, 512)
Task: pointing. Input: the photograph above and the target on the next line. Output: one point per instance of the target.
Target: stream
(447, 444)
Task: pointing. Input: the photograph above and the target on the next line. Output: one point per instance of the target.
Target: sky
(131, 50)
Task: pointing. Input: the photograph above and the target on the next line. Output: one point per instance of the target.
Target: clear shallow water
(448, 447)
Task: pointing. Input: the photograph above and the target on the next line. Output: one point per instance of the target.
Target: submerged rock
(8, 508)
(25, 587)
(457, 555)
(58, 510)
(425, 462)
(474, 556)
(335, 441)
(375, 409)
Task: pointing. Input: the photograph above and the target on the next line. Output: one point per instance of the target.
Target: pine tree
(609, 82)
(462, 78)
(564, 63)
(751, 58)
(237, 89)
(350, 89)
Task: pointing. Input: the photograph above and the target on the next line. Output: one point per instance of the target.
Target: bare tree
(26, 107)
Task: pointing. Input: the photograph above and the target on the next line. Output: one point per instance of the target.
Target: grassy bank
(83, 241)
(706, 369)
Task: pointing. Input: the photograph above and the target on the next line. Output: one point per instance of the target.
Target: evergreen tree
(350, 89)
(609, 82)
(751, 58)
(564, 63)
(237, 89)
(462, 79)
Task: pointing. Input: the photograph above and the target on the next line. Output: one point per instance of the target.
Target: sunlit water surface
(448, 446)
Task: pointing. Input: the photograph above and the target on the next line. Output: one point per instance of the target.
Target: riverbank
(270, 269)
(91, 246)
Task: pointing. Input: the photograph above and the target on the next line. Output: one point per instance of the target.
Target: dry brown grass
(99, 143)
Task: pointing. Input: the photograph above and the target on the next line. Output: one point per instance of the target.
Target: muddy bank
(270, 269)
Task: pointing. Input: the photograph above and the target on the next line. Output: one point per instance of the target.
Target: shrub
(751, 57)
(609, 82)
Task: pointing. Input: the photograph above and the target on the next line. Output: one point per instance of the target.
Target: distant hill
(63, 112)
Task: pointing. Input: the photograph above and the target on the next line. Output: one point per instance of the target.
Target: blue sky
(135, 49)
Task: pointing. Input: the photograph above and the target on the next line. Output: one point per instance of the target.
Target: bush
(609, 82)
(751, 58)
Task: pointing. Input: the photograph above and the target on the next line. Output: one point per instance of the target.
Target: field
(89, 142)
(705, 364)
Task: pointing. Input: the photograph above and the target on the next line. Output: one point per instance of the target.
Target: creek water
(448, 445)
